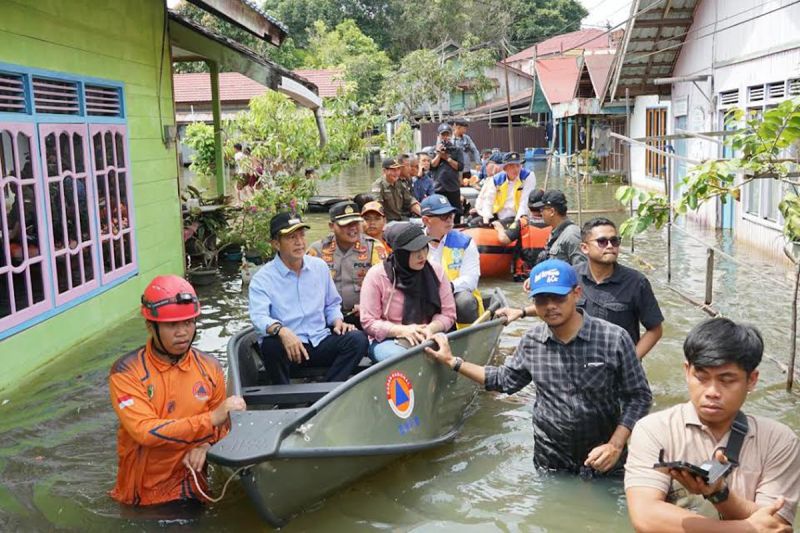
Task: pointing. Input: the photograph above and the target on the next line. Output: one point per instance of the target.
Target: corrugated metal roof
(653, 40)
(555, 45)
(558, 78)
(599, 67)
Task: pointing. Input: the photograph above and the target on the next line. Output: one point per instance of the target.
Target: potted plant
(203, 221)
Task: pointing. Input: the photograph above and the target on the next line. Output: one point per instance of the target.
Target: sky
(601, 11)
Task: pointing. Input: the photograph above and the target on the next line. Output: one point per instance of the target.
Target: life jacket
(501, 185)
(527, 247)
(454, 247)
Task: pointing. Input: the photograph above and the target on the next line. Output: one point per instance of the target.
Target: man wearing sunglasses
(614, 292)
(590, 387)
(458, 255)
(170, 400)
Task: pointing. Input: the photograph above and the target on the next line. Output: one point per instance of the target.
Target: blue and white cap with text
(553, 276)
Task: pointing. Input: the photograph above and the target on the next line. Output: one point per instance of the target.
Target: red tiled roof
(558, 78)
(327, 80)
(235, 87)
(555, 45)
(599, 67)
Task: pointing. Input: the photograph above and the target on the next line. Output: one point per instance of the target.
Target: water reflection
(57, 440)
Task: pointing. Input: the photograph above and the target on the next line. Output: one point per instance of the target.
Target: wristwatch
(457, 366)
(276, 330)
(719, 496)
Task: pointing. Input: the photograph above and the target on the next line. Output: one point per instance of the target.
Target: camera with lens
(447, 146)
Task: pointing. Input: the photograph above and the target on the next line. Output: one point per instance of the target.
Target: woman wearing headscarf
(405, 300)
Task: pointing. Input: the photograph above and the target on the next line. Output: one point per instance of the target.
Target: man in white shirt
(457, 253)
(506, 194)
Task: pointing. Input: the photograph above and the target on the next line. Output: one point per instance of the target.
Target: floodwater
(57, 436)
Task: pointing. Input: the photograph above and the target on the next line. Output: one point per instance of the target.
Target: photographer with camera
(447, 166)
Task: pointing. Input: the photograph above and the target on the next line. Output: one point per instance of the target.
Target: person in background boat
(457, 253)
(522, 233)
(565, 239)
(396, 198)
(506, 197)
(409, 168)
(485, 156)
(297, 312)
(613, 292)
(406, 299)
(470, 155)
(349, 254)
(422, 185)
(590, 386)
(170, 400)
(447, 167)
(374, 222)
(492, 168)
(761, 492)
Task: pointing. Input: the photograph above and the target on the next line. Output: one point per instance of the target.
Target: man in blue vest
(457, 253)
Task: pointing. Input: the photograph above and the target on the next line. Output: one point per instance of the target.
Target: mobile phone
(699, 471)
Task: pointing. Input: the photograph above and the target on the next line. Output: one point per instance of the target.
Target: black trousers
(340, 353)
(454, 197)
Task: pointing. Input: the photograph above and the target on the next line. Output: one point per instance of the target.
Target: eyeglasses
(546, 298)
(602, 242)
(182, 298)
(446, 216)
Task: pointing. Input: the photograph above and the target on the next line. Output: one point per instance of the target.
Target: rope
(224, 487)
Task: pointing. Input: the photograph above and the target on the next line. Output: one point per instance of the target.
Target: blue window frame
(66, 196)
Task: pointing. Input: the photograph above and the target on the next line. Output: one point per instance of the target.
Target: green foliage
(402, 140)
(345, 46)
(763, 145)
(425, 76)
(535, 20)
(200, 137)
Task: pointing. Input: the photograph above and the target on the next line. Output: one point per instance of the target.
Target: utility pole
(508, 96)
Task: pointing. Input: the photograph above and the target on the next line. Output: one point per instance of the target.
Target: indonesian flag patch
(125, 401)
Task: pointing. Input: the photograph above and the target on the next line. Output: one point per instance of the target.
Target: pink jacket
(381, 305)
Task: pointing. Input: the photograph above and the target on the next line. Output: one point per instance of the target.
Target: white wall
(638, 130)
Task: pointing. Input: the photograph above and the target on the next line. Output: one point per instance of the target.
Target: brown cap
(372, 207)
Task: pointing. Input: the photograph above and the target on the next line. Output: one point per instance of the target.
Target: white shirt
(470, 271)
(485, 202)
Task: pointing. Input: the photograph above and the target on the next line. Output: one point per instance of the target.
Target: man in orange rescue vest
(170, 400)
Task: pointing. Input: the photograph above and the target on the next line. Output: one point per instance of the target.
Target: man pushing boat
(590, 386)
(170, 400)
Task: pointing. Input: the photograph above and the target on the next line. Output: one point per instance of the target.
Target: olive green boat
(290, 457)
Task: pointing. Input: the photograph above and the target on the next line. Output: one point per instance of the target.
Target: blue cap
(553, 276)
(436, 204)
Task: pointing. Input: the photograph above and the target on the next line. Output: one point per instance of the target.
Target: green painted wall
(118, 40)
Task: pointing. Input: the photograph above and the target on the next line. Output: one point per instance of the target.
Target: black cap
(553, 197)
(460, 121)
(391, 162)
(445, 127)
(511, 158)
(534, 198)
(344, 213)
(285, 223)
(406, 236)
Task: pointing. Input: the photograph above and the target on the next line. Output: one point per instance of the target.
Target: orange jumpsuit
(164, 411)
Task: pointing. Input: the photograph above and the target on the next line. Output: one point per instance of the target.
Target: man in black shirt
(614, 292)
(446, 167)
(590, 387)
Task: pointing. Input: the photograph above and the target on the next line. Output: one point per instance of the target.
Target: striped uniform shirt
(584, 389)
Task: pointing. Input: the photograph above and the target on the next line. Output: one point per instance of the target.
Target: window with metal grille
(794, 87)
(12, 94)
(755, 93)
(729, 97)
(66, 195)
(56, 96)
(776, 90)
(102, 101)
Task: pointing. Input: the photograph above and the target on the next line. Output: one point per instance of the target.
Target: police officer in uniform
(349, 254)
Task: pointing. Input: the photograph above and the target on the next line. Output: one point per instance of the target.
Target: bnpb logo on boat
(400, 394)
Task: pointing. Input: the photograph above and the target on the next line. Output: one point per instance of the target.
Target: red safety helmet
(170, 299)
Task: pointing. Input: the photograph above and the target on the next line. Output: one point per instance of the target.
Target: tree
(346, 47)
(425, 76)
(536, 20)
